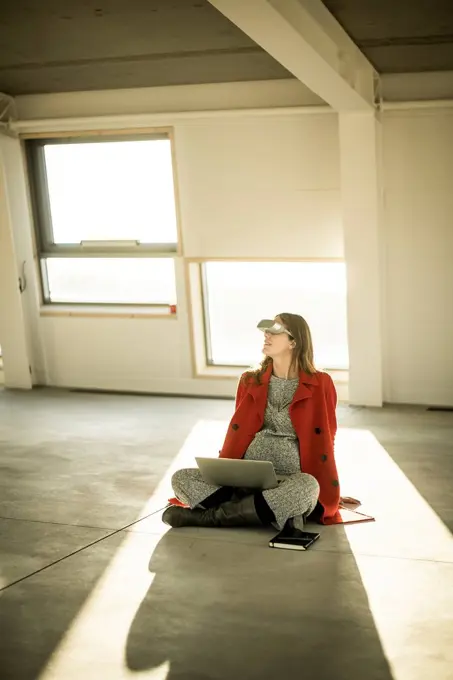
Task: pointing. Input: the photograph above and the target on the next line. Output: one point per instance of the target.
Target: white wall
(251, 185)
(361, 177)
(418, 263)
(260, 187)
(264, 184)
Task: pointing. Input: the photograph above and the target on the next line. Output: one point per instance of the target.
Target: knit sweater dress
(297, 493)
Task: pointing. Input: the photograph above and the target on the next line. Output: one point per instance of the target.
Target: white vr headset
(272, 327)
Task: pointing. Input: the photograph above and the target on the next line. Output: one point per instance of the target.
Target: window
(238, 294)
(138, 281)
(106, 219)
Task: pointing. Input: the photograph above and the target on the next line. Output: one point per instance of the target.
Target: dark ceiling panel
(176, 69)
(68, 45)
(399, 36)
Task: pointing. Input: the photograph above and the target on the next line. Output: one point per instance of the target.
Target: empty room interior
(191, 191)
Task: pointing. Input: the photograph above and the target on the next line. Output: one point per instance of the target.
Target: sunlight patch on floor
(93, 646)
(406, 525)
(98, 634)
(407, 598)
(205, 439)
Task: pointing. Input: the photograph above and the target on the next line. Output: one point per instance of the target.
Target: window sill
(339, 376)
(219, 372)
(107, 311)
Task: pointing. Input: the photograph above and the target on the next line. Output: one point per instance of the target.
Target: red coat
(312, 413)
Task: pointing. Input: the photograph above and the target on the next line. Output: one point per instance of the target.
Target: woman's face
(277, 346)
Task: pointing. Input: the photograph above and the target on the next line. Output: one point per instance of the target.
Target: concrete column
(360, 159)
(12, 322)
(23, 358)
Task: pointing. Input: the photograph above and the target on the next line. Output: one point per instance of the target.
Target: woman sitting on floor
(285, 413)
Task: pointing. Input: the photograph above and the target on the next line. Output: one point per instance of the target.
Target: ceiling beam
(308, 41)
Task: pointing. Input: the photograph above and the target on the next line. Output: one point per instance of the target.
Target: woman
(285, 413)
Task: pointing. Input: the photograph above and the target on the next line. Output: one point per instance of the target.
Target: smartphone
(293, 539)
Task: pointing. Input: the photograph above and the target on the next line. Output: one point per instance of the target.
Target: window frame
(206, 325)
(42, 222)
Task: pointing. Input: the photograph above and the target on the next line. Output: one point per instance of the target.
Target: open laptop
(248, 474)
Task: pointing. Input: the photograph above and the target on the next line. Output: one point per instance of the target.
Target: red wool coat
(312, 413)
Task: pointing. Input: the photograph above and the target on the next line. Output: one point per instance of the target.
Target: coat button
(324, 457)
(335, 482)
(317, 430)
(235, 426)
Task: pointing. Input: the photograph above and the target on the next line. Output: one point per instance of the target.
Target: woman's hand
(348, 500)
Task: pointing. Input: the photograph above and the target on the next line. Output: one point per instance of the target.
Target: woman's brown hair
(302, 360)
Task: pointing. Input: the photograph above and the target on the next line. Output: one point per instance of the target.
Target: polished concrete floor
(94, 586)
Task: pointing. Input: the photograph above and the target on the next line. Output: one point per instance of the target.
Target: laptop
(248, 474)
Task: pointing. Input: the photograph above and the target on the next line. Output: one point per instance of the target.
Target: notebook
(291, 538)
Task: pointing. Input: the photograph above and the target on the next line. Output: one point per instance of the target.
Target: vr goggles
(272, 327)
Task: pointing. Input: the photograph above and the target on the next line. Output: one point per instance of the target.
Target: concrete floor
(95, 587)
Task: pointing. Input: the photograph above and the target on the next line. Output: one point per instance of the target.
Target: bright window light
(141, 281)
(110, 191)
(105, 217)
(238, 294)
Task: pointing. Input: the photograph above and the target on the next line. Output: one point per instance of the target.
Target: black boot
(236, 513)
(222, 495)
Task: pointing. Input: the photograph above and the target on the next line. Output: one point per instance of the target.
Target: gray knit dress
(297, 493)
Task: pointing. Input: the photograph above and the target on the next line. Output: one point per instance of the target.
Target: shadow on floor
(429, 467)
(72, 461)
(218, 609)
(36, 613)
(421, 445)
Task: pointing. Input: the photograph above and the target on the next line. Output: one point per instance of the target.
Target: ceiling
(399, 36)
(72, 45)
